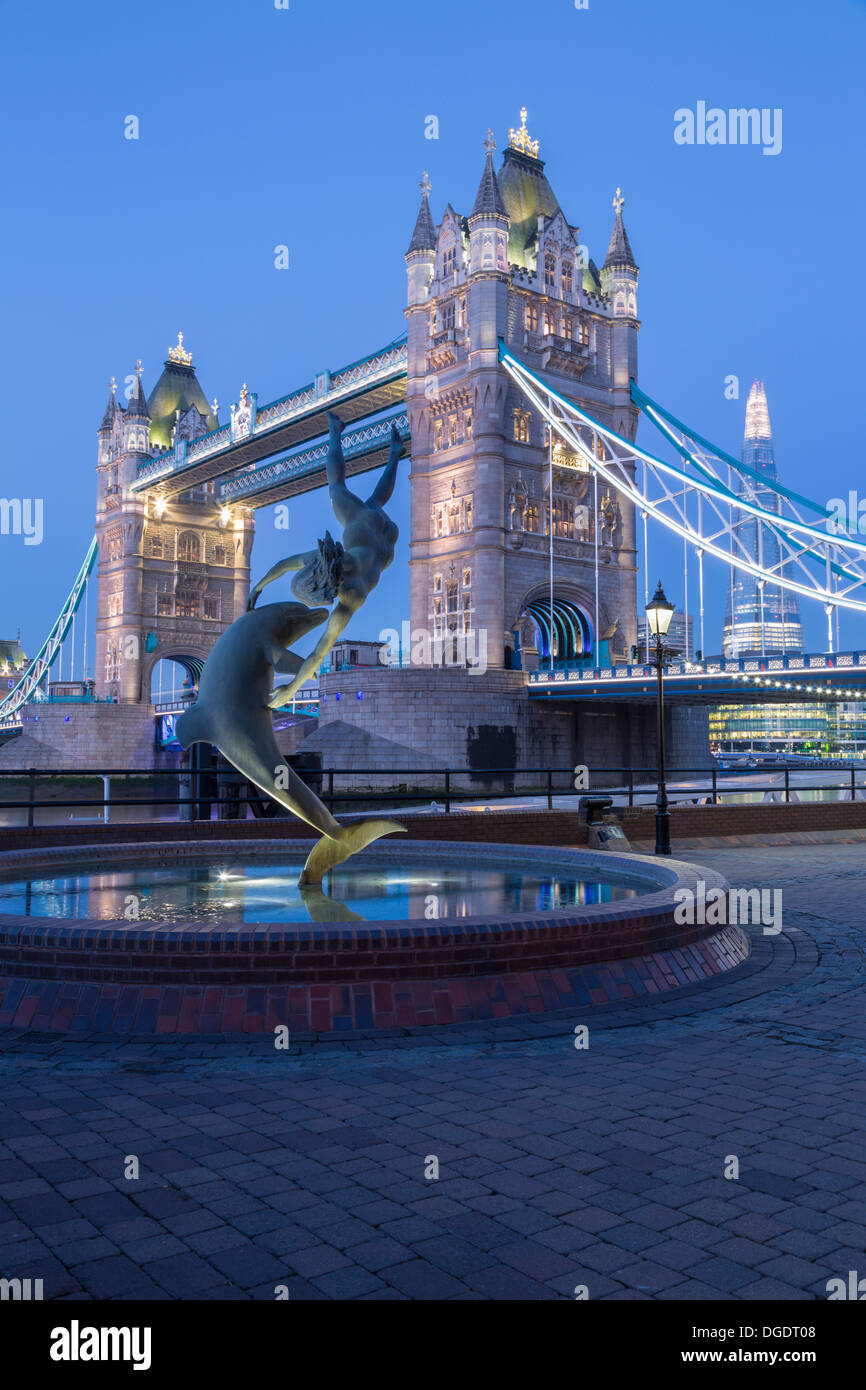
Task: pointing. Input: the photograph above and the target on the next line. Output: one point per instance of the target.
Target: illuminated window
(521, 426)
(549, 272)
(449, 260)
(567, 326)
(439, 520)
(530, 517)
(467, 578)
(163, 605)
(448, 315)
(453, 518)
(531, 318)
(567, 276)
(583, 334)
(188, 547)
(187, 606)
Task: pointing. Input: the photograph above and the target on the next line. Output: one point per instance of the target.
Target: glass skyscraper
(760, 619)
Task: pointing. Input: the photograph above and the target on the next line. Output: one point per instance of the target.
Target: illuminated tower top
(757, 413)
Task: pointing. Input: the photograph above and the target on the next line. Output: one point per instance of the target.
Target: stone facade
(516, 270)
(66, 736)
(173, 572)
(449, 718)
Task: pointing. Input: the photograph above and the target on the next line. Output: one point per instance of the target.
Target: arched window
(567, 276)
(188, 546)
(532, 318)
(549, 273)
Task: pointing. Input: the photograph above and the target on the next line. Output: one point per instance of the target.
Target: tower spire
(619, 252)
(112, 407)
(757, 414)
(138, 401)
(424, 235)
(488, 198)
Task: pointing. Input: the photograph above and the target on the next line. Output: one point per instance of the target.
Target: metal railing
(218, 788)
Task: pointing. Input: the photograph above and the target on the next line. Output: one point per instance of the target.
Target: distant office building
(760, 619)
(837, 730)
(680, 640)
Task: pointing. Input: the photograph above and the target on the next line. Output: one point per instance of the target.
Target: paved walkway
(557, 1167)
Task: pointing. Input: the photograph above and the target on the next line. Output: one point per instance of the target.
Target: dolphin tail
(348, 841)
(191, 727)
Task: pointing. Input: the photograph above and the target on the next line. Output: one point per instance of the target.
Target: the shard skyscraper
(760, 620)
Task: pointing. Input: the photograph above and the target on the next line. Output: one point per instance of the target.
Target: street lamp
(659, 614)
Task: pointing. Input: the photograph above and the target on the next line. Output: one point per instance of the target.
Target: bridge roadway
(363, 389)
(364, 448)
(716, 680)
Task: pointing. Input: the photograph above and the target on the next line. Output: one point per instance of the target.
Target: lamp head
(659, 613)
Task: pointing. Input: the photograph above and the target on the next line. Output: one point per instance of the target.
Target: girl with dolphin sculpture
(236, 694)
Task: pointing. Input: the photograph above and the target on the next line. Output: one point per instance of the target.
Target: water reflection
(225, 894)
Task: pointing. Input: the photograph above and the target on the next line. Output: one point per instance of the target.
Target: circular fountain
(176, 938)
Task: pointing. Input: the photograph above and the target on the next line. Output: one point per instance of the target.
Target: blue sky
(306, 127)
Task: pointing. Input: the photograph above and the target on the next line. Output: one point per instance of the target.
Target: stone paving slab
(316, 1168)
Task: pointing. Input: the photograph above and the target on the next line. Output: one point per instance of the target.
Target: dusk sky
(306, 126)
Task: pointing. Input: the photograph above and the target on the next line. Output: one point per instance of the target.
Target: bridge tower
(173, 573)
(515, 269)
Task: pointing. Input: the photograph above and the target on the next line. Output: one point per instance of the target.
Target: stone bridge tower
(172, 573)
(515, 269)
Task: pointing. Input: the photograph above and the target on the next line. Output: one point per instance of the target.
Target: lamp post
(659, 614)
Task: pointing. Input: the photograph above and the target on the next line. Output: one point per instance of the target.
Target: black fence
(201, 789)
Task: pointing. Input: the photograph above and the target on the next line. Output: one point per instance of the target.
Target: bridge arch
(165, 673)
(571, 637)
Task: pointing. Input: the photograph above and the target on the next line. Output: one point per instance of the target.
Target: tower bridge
(515, 385)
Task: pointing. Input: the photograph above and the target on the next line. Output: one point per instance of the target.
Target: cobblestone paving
(558, 1167)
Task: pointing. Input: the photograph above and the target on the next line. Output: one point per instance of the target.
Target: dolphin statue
(233, 714)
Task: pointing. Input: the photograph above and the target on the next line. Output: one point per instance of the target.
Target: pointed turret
(619, 272)
(138, 400)
(424, 235)
(488, 221)
(488, 197)
(135, 433)
(111, 410)
(619, 253)
(421, 256)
